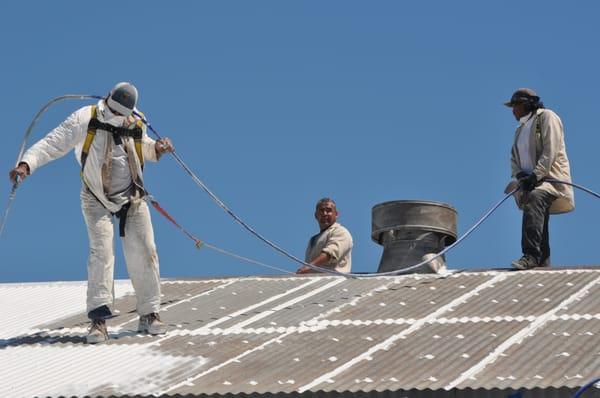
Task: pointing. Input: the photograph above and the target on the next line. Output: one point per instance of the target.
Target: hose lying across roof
(223, 206)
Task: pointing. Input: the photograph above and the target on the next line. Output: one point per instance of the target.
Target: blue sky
(275, 104)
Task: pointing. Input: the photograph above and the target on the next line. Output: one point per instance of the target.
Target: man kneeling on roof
(111, 144)
(332, 247)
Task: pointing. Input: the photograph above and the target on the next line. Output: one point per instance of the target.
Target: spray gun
(13, 193)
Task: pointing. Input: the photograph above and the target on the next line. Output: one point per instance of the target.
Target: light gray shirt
(335, 241)
(121, 183)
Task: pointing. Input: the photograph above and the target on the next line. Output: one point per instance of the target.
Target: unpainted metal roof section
(491, 332)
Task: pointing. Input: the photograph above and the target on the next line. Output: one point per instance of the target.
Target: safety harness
(117, 133)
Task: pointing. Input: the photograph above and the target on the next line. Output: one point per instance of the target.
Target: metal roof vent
(410, 230)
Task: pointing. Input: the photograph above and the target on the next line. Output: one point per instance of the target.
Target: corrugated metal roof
(479, 333)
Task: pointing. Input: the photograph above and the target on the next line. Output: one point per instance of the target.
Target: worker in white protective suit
(111, 145)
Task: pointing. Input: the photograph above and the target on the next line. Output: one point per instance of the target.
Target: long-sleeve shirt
(547, 149)
(336, 241)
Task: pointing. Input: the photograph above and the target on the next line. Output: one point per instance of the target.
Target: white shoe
(152, 324)
(98, 332)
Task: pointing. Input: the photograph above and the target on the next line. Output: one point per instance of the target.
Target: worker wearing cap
(538, 153)
(111, 145)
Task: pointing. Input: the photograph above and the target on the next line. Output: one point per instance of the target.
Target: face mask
(111, 118)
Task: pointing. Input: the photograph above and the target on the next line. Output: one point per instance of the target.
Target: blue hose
(406, 270)
(585, 387)
(221, 204)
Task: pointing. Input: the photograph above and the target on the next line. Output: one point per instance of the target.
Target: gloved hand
(521, 174)
(528, 182)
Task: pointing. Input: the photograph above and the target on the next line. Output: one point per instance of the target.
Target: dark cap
(522, 95)
(123, 98)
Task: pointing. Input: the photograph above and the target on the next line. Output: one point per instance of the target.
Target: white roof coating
(134, 369)
(315, 335)
(27, 305)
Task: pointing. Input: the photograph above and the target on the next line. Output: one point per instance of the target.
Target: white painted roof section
(78, 370)
(490, 330)
(28, 305)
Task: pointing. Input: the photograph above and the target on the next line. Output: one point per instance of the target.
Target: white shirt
(526, 161)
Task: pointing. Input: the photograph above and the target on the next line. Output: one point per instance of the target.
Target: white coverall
(138, 243)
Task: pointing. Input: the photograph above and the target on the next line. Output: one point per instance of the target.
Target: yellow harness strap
(138, 143)
(88, 139)
(91, 133)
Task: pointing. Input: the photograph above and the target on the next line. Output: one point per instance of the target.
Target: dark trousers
(535, 240)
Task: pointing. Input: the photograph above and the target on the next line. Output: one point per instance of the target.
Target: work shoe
(98, 332)
(546, 263)
(525, 262)
(152, 324)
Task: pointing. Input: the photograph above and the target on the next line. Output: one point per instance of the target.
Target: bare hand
(19, 173)
(163, 145)
(304, 270)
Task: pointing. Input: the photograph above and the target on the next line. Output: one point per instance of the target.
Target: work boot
(152, 324)
(546, 263)
(98, 332)
(525, 262)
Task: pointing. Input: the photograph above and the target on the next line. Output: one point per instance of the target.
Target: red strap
(162, 211)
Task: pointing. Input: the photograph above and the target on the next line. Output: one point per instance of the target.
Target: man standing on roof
(332, 247)
(538, 153)
(111, 145)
